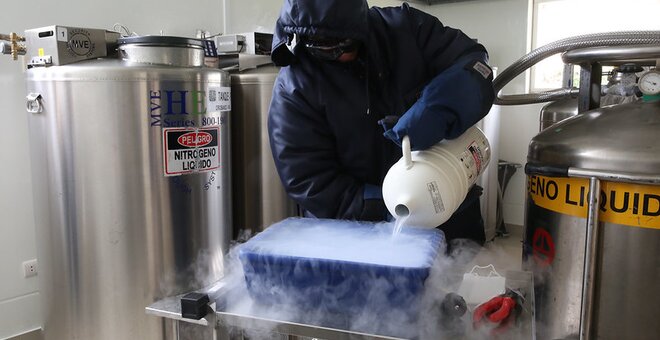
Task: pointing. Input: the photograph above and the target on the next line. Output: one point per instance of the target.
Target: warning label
(434, 193)
(619, 203)
(190, 150)
(472, 159)
(543, 247)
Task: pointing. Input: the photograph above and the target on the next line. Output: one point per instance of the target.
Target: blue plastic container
(340, 267)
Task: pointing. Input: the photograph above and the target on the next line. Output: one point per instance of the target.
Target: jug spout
(401, 210)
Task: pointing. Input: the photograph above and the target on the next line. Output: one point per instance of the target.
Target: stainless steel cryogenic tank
(592, 214)
(131, 179)
(561, 109)
(557, 111)
(612, 152)
(259, 198)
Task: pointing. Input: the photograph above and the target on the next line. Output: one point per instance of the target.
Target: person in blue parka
(354, 81)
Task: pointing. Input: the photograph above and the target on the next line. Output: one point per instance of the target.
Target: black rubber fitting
(194, 305)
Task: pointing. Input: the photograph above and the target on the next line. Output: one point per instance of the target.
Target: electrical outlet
(30, 268)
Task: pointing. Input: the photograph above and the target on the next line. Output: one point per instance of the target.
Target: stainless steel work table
(222, 324)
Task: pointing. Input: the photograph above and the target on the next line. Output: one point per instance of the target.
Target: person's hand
(424, 128)
(450, 103)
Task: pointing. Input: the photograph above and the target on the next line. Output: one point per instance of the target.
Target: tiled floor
(504, 253)
(34, 335)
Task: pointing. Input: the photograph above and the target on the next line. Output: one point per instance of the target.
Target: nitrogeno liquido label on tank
(188, 150)
(629, 204)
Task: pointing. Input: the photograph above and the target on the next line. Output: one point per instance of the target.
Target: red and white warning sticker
(543, 247)
(190, 150)
(473, 159)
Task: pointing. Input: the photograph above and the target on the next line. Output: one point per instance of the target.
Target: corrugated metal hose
(560, 46)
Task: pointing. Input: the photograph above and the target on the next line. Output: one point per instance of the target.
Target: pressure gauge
(649, 83)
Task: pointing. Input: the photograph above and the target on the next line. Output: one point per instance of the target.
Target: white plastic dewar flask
(427, 186)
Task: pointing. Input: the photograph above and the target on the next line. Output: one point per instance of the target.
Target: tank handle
(405, 149)
(546, 170)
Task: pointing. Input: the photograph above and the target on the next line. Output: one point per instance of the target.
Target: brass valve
(15, 49)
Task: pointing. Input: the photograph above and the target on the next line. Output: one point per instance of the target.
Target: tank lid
(162, 50)
(621, 138)
(160, 40)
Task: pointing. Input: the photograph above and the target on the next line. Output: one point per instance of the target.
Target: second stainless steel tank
(557, 111)
(615, 150)
(259, 199)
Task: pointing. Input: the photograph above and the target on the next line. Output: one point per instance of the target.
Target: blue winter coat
(328, 146)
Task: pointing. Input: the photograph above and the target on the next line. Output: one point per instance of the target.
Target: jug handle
(405, 149)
